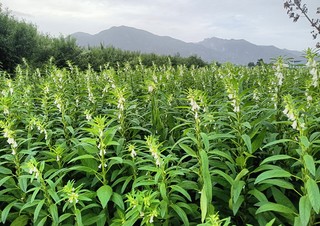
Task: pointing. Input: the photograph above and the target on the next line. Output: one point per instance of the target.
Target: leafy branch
(295, 9)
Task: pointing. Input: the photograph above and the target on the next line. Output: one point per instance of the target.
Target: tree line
(20, 41)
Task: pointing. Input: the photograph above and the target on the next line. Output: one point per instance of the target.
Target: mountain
(211, 49)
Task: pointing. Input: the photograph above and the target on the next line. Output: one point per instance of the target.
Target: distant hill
(211, 49)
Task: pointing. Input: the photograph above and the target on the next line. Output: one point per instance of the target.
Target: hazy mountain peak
(238, 51)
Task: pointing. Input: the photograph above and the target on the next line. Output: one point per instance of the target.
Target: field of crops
(220, 145)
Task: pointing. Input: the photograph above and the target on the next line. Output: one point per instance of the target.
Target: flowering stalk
(312, 65)
(198, 103)
(305, 153)
(132, 150)
(153, 145)
(277, 82)
(119, 93)
(72, 195)
(32, 168)
(312, 83)
(293, 115)
(10, 135)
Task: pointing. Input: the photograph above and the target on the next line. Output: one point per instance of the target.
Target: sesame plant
(161, 145)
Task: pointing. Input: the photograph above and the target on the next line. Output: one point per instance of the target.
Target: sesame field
(217, 145)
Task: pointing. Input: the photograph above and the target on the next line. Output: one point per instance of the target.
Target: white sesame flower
(158, 162)
(309, 98)
(194, 105)
(236, 109)
(294, 124)
(102, 152)
(73, 197)
(133, 153)
(88, 117)
(151, 219)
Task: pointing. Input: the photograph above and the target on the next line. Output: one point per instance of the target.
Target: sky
(262, 22)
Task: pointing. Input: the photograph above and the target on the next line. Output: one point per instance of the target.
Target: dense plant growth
(162, 145)
(21, 41)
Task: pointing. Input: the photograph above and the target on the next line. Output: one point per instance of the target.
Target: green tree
(18, 40)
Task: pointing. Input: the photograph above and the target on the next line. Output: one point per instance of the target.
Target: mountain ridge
(237, 51)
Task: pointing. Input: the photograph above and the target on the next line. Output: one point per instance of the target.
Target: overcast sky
(262, 22)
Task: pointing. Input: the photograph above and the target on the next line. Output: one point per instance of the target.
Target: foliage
(17, 40)
(163, 145)
(20, 41)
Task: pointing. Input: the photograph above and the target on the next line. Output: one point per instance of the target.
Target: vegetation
(152, 140)
(165, 145)
(21, 41)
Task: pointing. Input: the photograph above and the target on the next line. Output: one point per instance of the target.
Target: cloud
(258, 21)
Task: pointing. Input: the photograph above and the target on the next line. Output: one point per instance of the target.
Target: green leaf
(305, 142)
(104, 194)
(4, 170)
(37, 210)
(205, 141)
(117, 199)
(71, 130)
(304, 210)
(258, 140)
(275, 173)
(65, 216)
(181, 190)
(281, 141)
(221, 136)
(203, 204)
(6, 211)
(207, 185)
(247, 141)
(241, 174)
(91, 149)
(83, 169)
(275, 158)
(78, 217)
(163, 208)
(236, 190)
(82, 157)
(35, 193)
(143, 183)
(54, 213)
(20, 221)
(23, 183)
(281, 198)
(181, 214)
(313, 194)
(42, 222)
(236, 206)
(270, 223)
(28, 205)
(224, 175)
(163, 190)
(188, 150)
(4, 180)
(309, 163)
(258, 195)
(118, 160)
(222, 154)
(269, 206)
(278, 182)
